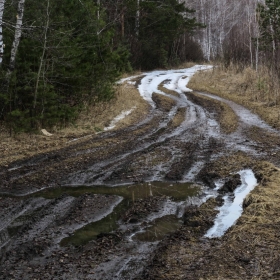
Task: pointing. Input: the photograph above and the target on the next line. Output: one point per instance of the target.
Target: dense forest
(56, 56)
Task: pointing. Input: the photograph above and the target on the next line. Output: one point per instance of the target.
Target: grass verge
(92, 120)
(258, 91)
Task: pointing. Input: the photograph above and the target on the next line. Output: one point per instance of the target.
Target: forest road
(42, 202)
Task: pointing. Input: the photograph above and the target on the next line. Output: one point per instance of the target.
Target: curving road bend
(173, 143)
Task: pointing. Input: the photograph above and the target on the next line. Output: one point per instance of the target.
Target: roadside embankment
(258, 91)
(92, 120)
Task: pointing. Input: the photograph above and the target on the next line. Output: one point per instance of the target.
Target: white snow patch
(121, 116)
(232, 210)
(151, 81)
(178, 81)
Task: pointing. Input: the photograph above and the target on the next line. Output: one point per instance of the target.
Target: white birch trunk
(221, 17)
(257, 36)
(17, 37)
(2, 5)
(250, 34)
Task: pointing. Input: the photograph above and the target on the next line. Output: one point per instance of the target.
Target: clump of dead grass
(167, 91)
(178, 118)
(256, 90)
(187, 64)
(95, 118)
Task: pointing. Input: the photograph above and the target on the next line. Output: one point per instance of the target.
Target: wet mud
(116, 205)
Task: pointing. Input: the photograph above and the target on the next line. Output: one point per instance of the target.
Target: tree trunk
(2, 4)
(43, 55)
(122, 23)
(98, 10)
(137, 19)
(16, 41)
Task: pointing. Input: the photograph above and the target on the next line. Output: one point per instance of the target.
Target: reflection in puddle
(159, 228)
(177, 191)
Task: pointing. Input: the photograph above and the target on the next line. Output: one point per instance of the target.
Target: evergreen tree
(161, 24)
(65, 58)
(69, 53)
(269, 22)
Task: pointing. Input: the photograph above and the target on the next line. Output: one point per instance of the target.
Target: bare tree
(221, 17)
(43, 54)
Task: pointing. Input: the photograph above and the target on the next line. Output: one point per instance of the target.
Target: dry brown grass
(186, 65)
(163, 102)
(92, 120)
(258, 91)
(97, 117)
(254, 241)
(167, 91)
(179, 117)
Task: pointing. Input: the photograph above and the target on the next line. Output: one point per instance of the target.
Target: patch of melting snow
(15, 168)
(75, 139)
(121, 116)
(232, 210)
(206, 194)
(151, 80)
(245, 115)
(193, 171)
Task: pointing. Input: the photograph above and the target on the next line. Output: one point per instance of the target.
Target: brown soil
(224, 114)
(249, 250)
(163, 102)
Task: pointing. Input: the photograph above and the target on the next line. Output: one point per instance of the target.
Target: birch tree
(221, 17)
(2, 5)
(18, 31)
(269, 22)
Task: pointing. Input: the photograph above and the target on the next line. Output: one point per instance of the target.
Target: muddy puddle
(159, 228)
(164, 218)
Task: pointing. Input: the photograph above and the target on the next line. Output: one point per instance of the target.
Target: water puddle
(232, 208)
(159, 228)
(160, 222)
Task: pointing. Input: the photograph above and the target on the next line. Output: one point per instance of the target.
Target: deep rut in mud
(47, 198)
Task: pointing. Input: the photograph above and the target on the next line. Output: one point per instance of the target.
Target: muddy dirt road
(99, 208)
